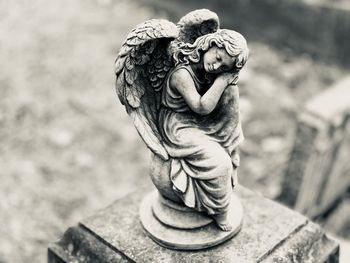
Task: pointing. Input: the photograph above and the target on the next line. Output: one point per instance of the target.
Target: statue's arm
(182, 81)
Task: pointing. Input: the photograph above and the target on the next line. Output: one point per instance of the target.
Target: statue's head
(222, 51)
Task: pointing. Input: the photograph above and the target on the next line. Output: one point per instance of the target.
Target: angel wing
(141, 66)
(197, 23)
(143, 63)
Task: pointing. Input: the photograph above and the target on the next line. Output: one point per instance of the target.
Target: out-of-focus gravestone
(318, 172)
(270, 233)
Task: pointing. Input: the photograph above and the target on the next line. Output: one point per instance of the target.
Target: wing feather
(197, 23)
(141, 67)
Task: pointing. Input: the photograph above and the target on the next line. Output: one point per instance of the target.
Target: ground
(67, 146)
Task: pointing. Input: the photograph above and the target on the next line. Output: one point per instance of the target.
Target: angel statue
(179, 85)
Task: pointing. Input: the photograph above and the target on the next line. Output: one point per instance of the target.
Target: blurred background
(67, 147)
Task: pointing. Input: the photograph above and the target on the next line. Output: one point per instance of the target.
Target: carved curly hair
(233, 42)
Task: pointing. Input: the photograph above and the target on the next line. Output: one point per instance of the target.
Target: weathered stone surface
(308, 244)
(318, 172)
(270, 233)
(79, 245)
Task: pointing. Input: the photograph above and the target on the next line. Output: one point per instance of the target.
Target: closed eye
(218, 57)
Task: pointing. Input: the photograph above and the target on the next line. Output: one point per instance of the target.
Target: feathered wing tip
(141, 67)
(197, 23)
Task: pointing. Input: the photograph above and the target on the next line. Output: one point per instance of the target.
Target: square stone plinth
(270, 233)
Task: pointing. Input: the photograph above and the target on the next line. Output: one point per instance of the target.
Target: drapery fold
(201, 147)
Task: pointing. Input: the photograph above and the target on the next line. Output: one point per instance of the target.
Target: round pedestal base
(170, 233)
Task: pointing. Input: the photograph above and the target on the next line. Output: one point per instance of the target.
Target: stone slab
(332, 104)
(269, 232)
(318, 171)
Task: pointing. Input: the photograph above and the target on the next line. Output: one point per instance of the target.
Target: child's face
(216, 60)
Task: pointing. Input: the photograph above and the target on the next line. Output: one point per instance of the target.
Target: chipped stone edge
(79, 244)
(307, 244)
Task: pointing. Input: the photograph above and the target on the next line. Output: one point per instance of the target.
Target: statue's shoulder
(181, 75)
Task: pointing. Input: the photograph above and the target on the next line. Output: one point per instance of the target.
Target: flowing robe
(201, 146)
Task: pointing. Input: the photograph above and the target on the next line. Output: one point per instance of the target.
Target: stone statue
(179, 85)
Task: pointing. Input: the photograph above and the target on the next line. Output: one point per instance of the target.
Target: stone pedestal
(270, 233)
(182, 228)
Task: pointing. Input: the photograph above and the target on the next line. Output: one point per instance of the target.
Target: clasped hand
(228, 78)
